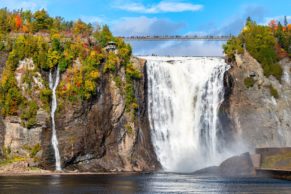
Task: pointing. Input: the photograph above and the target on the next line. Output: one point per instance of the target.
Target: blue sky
(164, 17)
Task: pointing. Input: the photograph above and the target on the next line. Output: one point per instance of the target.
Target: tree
(41, 21)
(285, 22)
(4, 27)
(82, 28)
(103, 36)
(273, 25)
(18, 22)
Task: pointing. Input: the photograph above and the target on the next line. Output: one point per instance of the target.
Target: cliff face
(256, 117)
(95, 135)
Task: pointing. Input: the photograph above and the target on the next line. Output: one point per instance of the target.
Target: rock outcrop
(235, 166)
(255, 116)
(100, 135)
(95, 135)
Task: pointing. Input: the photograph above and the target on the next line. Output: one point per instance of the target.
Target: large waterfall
(53, 86)
(184, 95)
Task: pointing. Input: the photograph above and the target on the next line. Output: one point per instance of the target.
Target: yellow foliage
(93, 54)
(95, 74)
(89, 85)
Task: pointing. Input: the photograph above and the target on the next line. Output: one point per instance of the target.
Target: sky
(165, 17)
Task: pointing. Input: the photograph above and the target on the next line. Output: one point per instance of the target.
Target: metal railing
(176, 37)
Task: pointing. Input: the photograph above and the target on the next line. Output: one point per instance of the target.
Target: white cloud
(94, 19)
(24, 4)
(145, 26)
(155, 26)
(161, 7)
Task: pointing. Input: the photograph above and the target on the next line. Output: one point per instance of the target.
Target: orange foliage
(25, 29)
(289, 27)
(18, 21)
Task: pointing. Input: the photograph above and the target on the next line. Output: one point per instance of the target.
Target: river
(139, 183)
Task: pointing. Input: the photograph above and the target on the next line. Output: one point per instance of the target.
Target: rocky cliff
(256, 107)
(94, 135)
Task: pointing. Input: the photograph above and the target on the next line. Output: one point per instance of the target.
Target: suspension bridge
(176, 37)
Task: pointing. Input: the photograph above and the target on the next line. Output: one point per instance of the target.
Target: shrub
(28, 113)
(132, 72)
(34, 150)
(249, 82)
(273, 92)
(233, 46)
(129, 129)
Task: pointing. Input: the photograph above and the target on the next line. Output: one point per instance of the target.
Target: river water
(139, 183)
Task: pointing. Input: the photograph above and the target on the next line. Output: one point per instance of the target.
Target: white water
(184, 95)
(53, 86)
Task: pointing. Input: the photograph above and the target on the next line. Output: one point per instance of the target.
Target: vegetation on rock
(75, 47)
(249, 82)
(267, 44)
(274, 92)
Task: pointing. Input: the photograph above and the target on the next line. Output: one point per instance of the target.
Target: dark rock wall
(94, 136)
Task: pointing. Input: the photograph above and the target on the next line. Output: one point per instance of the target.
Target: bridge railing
(177, 37)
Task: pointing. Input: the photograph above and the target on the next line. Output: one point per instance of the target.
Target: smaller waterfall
(53, 84)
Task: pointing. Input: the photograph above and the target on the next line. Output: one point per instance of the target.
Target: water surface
(139, 183)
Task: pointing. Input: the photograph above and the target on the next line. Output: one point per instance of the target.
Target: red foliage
(281, 53)
(78, 84)
(18, 21)
(273, 25)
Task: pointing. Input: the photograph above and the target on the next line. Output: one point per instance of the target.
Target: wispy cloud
(100, 20)
(161, 7)
(24, 4)
(145, 26)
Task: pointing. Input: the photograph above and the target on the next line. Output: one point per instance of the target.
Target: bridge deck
(158, 38)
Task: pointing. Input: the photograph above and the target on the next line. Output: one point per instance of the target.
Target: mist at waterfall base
(184, 97)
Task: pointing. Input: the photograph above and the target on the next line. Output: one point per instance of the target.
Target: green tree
(104, 36)
(41, 21)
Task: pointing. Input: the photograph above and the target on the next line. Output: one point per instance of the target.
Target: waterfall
(184, 96)
(53, 84)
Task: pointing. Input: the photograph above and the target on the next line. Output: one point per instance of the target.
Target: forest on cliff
(267, 44)
(75, 47)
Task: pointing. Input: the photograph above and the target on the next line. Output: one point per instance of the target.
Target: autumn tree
(82, 28)
(273, 25)
(18, 22)
(103, 36)
(41, 21)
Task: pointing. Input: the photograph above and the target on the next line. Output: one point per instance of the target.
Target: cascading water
(53, 84)
(184, 95)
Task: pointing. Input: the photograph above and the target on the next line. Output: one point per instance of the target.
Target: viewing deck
(177, 37)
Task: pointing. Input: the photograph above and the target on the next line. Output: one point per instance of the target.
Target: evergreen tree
(286, 22)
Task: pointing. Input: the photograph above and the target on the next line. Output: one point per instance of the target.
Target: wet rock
(254, 117)
(236, 166)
